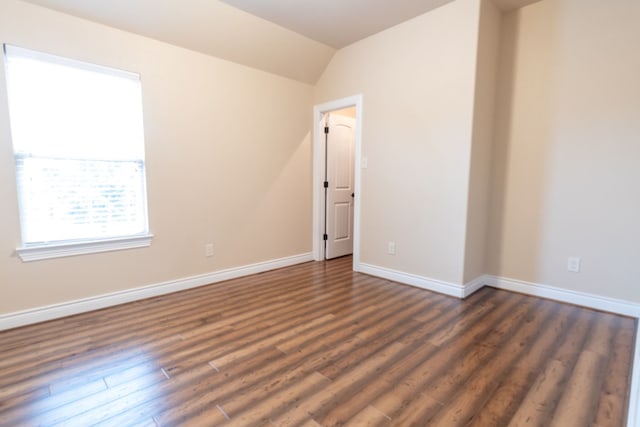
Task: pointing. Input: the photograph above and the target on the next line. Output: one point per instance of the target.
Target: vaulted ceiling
(291, 38)
(338, 23)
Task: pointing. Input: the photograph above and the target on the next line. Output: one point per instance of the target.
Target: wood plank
(263, 410)
(240, 378)
(319, 345)
(538, 406)
(347, 383)
(579, 398)
(368, 417)
(504, 402)
(423, 350)
(468, 395)
(613, 406)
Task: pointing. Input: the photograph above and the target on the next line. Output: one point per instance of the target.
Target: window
(78, 143)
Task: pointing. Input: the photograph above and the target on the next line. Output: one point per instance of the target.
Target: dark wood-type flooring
(316, 344)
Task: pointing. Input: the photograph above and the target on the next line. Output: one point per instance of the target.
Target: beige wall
(228, 161)
(417, 81)
(566, 166)
(348, 112)
(482, 143)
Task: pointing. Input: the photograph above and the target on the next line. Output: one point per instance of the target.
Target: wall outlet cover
(573, 264)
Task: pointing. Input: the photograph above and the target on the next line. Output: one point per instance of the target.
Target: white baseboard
(41, 314)
(435, 285)
(583, 299)
(440, 286)
(474, 285)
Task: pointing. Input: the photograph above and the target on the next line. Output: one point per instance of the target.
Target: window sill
(59, 250)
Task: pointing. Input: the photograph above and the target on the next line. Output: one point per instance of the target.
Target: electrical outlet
(391, 248)
(208, 249)
(573, 264)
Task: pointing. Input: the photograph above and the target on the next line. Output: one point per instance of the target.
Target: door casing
(318, 174)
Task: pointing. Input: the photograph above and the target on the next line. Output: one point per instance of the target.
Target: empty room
(338, 213)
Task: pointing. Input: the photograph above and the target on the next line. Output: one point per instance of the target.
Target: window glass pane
(66, 199)
(79, 148)
(80, 111)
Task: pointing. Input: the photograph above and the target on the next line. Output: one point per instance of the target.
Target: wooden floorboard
(319, 345)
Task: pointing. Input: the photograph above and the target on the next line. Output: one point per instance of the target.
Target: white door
(340, 192)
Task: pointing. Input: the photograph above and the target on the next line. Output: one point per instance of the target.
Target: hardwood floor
(317, 344)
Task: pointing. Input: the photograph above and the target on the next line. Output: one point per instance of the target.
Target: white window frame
(64, 248)
(59, 250)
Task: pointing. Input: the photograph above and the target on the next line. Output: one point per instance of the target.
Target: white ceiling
(291, 38)
(339, 23)
(210, 27)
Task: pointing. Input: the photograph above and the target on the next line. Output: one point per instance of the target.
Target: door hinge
(325, 237)
(326, 184)
(326, 129)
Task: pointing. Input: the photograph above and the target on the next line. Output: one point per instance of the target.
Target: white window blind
(78, 142)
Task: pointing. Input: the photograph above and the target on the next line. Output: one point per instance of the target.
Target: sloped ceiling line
(290, 38)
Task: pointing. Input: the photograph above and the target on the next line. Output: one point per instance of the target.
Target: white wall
(228, 161)
(566, 165)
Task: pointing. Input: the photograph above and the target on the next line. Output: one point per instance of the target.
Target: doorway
(350, 106)
(339, 149)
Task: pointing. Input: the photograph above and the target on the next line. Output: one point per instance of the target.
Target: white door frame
(318, 175)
